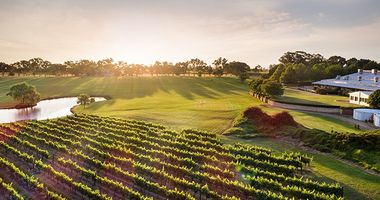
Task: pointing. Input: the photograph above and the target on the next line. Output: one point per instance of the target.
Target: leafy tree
(237, 68)
(299, 57)
(272, 69)
(25, 93)
(272, 88)
(258, 68)
(180, 68)
(220, 65)
(318, 71)
(218, 72)
(277, 73)
(243, 76)
(198, 66)
(84, 99)
(105, 67)
(333, 70)
(4, 68)
(58, 69)
(374, 99)
(255, 85)
(337, 60)
(289, 75)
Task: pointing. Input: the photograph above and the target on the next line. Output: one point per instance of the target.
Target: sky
(257, 32)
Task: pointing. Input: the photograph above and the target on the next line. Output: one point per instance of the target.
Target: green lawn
(315, 120)
(310, 120)
(357, 184)
(205, 103)
(294, 95)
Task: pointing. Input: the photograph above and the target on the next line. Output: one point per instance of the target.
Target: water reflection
(27, 113)
(46, 109)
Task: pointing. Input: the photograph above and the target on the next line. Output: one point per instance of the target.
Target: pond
(45, 109)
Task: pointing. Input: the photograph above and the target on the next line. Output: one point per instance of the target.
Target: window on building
(352, 97)
(356, 98)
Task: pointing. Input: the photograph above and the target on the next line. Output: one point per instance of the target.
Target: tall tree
(4, 67)
(239, 69)
(197, 66)
(272, 88)
(84, 99)
(299, 57)
(277, 72)
(25, 93)
(219, 66)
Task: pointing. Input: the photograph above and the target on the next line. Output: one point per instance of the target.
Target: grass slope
(293, 95)
(180, 102)
(207, 103)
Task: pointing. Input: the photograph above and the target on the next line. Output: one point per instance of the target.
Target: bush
(326, 91)
(256, 113)
(374, 99)
(277, 120)
(283, 119)
(272, 88)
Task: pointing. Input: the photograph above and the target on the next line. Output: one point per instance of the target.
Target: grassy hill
(179, 102)
(207, 103)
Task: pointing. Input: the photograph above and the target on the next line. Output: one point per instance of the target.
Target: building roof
(367, 110)
(363, 92)
(351, 81)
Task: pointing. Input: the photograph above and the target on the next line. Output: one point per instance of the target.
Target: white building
(364, 114)
(365, 80)
(359, 97)
(376, 120)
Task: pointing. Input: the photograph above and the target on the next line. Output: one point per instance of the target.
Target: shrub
(256, 113)
(283, 119)
(272, 88)
(374, 99)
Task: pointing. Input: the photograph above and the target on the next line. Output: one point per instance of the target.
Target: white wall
(355, 98)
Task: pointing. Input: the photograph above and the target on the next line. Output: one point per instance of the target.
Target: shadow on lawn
(187, 87)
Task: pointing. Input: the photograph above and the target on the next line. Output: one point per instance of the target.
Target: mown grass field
(206, 103)
(180, 102)
(187, 102)
(293, 95)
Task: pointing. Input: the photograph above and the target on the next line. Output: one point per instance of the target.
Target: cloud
(257, 32)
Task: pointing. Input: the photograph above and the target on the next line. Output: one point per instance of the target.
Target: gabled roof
(351, 81)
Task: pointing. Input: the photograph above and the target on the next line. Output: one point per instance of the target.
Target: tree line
(300, 67)
(108, 67)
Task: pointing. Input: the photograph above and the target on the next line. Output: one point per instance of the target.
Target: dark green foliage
(302, 68)
(84, 99)
(374, 99)
(237, 68)
(25, 93)
(272, 88)
(277, 73)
